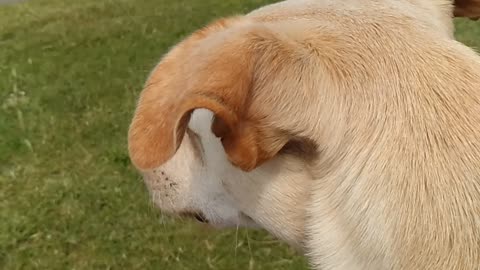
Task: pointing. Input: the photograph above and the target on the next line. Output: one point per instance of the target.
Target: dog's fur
(350, 129)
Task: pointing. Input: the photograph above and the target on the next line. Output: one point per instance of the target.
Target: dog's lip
(243, 220)
(246, 217)
(248, 221)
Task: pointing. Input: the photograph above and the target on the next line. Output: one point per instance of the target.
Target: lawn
(70, 72)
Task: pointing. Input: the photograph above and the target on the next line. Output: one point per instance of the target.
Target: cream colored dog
(350, 129)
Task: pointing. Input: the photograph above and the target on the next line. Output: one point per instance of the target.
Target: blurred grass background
(70, 73)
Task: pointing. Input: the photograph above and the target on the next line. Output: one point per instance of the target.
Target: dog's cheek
(240, 190)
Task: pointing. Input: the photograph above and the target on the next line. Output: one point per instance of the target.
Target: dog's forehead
(201, 122)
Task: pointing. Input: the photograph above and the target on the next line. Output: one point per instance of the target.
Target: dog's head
(199, 182)
(222, 69)
(203, 128)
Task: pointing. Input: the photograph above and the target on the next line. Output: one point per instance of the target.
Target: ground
(70, 73)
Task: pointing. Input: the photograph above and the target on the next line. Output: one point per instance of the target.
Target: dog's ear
(211, 71)
(467, 8)
(249, 144)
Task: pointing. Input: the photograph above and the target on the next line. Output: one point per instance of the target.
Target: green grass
(70, 72)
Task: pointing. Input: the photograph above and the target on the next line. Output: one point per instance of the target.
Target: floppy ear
(467, 8)
(213, 72)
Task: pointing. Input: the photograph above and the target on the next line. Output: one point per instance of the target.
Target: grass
(70, 72)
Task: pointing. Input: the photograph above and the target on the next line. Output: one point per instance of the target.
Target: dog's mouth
(243, 220)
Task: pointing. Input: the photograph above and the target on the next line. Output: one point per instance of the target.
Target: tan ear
(467, 8)
(212, 71)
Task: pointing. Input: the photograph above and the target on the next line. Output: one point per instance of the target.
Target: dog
(349, 129)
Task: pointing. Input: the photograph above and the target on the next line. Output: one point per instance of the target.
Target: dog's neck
(455, 8)
(445, 9)
(440, 12)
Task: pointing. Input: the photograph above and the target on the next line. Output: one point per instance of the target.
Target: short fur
(350, 129)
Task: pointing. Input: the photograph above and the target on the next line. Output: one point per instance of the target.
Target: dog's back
(407, 195)
(404, 192)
